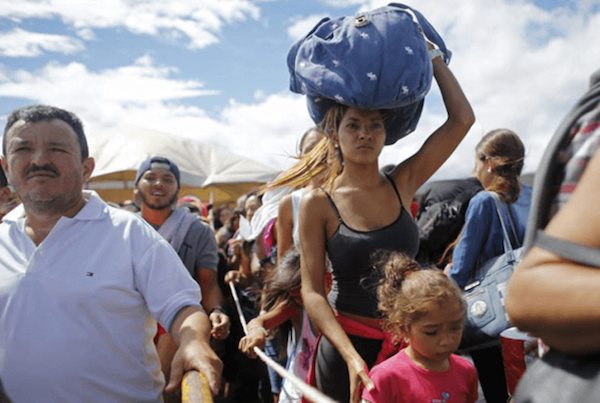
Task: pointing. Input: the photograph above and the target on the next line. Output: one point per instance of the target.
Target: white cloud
(198, 21)
(521, 67)
(302, 25)
(267, 130)
(21, 43)
(147, 95)
(343, 3)
(104, 94)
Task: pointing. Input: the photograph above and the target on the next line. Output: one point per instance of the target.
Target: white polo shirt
(76, 312)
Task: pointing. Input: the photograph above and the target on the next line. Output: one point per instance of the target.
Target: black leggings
(490, 368)
(331, 370)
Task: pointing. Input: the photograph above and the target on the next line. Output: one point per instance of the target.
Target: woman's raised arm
(413, 172)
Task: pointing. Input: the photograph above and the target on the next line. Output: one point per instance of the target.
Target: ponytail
(506, 151)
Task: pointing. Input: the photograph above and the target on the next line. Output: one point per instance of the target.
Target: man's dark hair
(40, 113)
(3, 180)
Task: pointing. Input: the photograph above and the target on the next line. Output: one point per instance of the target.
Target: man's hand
(199, 356)
(220, 325)
(191, 332)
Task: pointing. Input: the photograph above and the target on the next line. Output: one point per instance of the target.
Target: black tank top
(350, 251)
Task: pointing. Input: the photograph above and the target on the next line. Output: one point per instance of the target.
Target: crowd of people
(338, 280)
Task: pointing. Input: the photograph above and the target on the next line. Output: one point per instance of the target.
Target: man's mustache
(43, 168)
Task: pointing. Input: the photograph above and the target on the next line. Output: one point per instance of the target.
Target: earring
(489, 170)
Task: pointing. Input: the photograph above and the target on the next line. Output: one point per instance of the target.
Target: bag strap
(513, 227)
(575, 252)
(508, 249)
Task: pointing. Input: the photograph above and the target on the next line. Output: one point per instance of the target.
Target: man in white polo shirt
(81, 283)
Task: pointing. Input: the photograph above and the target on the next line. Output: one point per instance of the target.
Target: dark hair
(216, 216)
(40, 113)
(278, 283)
(237, 213)
(506, 151)
(3, 180)
(281, 280)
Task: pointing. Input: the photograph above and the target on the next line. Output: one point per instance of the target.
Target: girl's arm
(257, 327)
(313, 233)
(285, 227)
(557, 299)
(243, 273)
(413, 172)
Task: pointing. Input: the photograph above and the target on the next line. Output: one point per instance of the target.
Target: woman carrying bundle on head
(359, 210)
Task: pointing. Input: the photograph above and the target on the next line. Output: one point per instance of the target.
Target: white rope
(238, 307)
(307, 391)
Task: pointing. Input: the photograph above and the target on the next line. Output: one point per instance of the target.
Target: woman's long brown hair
(506, 151)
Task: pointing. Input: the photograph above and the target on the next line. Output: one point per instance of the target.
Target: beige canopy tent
(206, 171)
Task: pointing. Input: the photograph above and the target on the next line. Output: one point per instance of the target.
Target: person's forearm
(444, 140)
(558, 302)
(245, 268)
(212, 297)
(573, 341)
(279, 314)
(456, 103)
(191, 333)
(322, 316)
(191, 323)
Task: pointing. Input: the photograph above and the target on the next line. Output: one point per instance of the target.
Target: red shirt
(399, 379)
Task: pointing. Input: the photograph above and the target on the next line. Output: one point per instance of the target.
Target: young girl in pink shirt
(425, 309)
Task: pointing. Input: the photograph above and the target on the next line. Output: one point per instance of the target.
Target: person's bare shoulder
(317, 208)
(285, 205)
(315, 199)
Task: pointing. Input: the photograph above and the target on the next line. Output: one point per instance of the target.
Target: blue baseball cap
(157, 163)
(374, 60)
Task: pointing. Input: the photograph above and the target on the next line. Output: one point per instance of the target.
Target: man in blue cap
(157, 184)
(82, 283)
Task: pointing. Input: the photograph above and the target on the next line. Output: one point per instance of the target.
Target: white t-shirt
(76, 311)
(296, 196)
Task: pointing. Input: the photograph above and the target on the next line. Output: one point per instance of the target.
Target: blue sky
(248, 59)
(215, 69)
